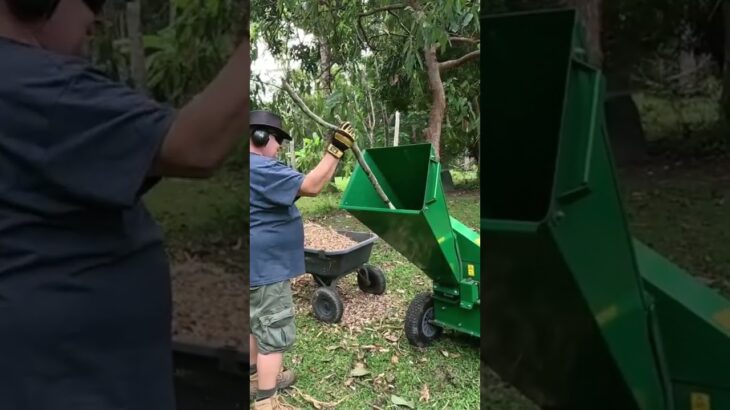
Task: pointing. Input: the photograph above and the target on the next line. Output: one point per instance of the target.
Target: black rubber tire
(327, 305)
(418, 331)
(371, 280)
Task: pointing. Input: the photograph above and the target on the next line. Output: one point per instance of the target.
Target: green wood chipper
(577, 314)
(419, 227)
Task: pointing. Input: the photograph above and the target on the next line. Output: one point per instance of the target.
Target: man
(85, 306)
(277, 247)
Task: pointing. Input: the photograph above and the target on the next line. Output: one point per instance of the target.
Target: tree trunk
(325, 61)
(590, 13)
(134, 26)
(725, 99)
(173, 12)
(438, 100)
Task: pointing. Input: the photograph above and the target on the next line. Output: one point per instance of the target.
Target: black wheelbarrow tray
(328, 268)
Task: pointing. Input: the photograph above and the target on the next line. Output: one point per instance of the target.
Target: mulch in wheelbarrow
(210, 306)
(326, 239)
(361, 309)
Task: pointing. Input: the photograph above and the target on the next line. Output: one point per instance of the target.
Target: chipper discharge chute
(576, 313)
(421, 229)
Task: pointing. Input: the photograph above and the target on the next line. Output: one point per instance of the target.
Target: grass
(666, 118)
(447, 373)
(199, 210)
(682, 210)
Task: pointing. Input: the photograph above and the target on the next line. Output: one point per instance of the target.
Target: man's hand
(341, 140)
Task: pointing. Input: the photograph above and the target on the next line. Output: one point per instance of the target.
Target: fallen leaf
(359, 370)
(425, 394)
(445, 353)
(394, 359)
(349, 381)
(399, 401)
(391, 338)
(331, 348)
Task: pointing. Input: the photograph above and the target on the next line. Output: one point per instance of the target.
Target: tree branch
(303, 106)
(384, 8)
(361, 28)
(355, 149)
(463, 40)
(447, 65)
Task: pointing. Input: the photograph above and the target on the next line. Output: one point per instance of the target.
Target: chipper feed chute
(421, 229)
(576, 314)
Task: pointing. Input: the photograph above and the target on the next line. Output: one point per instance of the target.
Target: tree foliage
(375, 59)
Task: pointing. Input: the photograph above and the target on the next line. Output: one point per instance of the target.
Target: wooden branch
(447, 65)
(355, 149)
(303, 106)
(397, 17)
(361, 28)
(463, 40)
(384, 8)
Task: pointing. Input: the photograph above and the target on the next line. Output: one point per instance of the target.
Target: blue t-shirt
(277, 231)
(85, 304)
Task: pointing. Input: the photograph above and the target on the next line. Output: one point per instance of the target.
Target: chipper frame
(577, 314)
(421, 229)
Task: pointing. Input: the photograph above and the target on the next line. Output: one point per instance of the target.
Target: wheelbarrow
(329, 267)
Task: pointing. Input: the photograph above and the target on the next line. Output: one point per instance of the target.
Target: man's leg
(273, 332)
(269, 366)
(253, 352)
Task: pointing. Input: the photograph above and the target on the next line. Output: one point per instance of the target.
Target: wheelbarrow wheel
(327, 305)
(419, 329)
(371, 280)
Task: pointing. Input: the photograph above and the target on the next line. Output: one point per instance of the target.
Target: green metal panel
(450, 316)
(695, 327)
(420, 226)
(565, 318)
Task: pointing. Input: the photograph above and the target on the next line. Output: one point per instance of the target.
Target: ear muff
(260, 137)
(32, 10)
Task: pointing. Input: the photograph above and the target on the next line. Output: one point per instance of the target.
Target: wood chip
(210, 305)
(326, 239)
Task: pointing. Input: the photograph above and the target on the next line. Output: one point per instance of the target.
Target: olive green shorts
(272, 317)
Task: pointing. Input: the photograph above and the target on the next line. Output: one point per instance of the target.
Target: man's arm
(339, 142)
(315, 181)
(207, 129)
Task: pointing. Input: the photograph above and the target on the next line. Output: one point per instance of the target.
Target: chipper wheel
(327, 305)
(371, 280)
(419, 330)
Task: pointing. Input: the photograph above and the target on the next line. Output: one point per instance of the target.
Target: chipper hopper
(421, 229)
(576, 313)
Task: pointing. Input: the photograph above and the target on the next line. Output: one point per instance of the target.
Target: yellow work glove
(341, 140)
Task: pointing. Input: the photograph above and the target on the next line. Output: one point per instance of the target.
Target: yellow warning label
(723, 318)
(700, 401)
(470, 270)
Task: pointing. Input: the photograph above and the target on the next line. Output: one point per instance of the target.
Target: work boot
(272, 403)
(286, 378)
